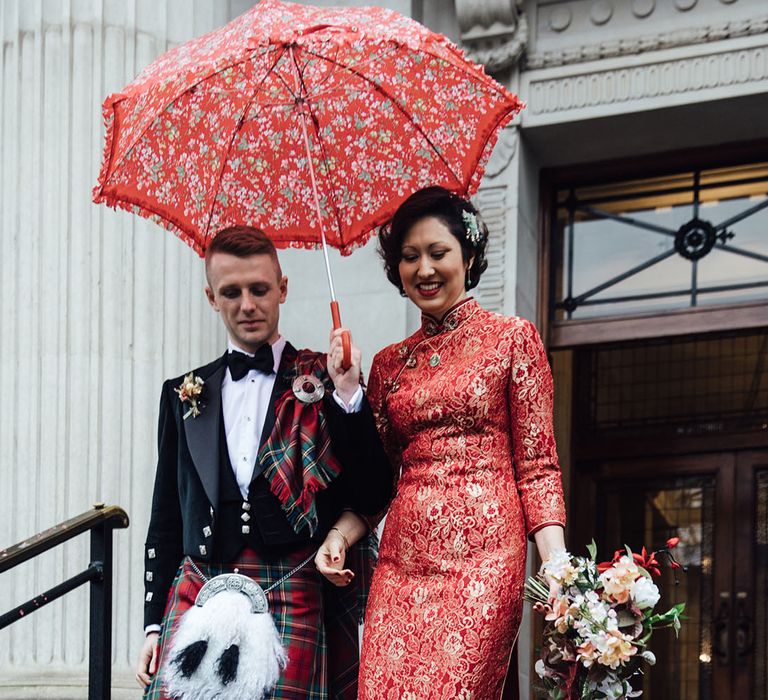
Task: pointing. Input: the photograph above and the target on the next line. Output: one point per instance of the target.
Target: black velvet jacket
(196, 511)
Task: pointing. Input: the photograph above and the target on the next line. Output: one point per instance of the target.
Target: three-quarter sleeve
(537, 471)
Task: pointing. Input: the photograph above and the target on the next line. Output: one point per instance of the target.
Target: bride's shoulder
(516, 326)
(389, 353)
(495, 318)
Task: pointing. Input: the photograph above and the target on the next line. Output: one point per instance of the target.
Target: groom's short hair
(242, 242)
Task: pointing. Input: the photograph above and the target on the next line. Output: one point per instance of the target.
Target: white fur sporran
(226, 644)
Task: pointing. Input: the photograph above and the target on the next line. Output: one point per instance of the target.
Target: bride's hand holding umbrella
(346, 380)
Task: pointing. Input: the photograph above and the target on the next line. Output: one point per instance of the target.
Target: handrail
(53, 536)
(100, 522)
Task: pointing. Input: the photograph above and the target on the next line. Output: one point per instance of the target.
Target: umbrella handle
(346, 339)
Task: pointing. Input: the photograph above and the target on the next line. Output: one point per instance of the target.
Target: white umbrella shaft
(303, 112)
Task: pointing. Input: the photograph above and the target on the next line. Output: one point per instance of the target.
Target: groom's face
(247, 292)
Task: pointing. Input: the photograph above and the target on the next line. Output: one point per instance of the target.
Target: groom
(265, 455)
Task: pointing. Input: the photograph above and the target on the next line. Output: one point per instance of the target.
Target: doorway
(717, 504)
(670, 439)
(658, 334)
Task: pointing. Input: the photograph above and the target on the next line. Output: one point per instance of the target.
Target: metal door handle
(721, 630)
(744, 632)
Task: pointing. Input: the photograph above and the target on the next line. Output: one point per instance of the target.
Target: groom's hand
(147, 665)
(346, 381)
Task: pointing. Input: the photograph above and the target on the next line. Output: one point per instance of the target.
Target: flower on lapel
(189, 391)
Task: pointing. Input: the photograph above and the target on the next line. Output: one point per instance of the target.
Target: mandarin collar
(453, 318)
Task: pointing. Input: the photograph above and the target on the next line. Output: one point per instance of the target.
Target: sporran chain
(277, 583)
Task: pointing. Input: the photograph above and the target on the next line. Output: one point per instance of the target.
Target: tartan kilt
(297, 607)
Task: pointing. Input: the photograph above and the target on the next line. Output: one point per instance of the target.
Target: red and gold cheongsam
(465, 410)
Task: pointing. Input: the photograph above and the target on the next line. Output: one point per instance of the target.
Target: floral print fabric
(473, 436)
(212, 133)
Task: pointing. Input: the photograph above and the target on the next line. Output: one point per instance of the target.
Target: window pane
(678, 386)
(662, 243)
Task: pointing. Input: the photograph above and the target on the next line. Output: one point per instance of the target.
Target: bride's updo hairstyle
(458, 215)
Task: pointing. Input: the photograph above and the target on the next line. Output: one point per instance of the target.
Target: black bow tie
(239, 363)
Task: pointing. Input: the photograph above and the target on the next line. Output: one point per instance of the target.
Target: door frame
(748, 464)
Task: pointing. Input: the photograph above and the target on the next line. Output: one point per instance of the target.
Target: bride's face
(432, 268)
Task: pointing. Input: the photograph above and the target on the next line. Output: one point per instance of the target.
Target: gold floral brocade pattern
(465, 411)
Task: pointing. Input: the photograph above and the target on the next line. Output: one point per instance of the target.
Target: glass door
(717, 504)
(750, 615)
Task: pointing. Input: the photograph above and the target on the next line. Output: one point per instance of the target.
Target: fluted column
(96, 308)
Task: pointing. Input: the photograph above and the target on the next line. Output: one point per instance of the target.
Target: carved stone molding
(685, 5)
(493, 32)
(658, 79)
(486, 13)
(643, 8)
(651, 42)
(503, 152)
(600, 12)
(493, 206)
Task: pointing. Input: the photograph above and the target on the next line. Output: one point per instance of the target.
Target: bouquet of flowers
(599, 619)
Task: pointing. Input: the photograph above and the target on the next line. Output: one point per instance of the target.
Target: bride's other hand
(330, 558)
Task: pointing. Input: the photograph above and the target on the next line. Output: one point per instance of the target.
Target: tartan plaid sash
(297, 457)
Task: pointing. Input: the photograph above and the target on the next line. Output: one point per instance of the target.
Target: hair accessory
(473, 234)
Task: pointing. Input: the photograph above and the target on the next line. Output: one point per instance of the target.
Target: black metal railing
(100, 521)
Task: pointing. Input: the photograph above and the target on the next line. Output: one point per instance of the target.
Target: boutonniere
(190, 391)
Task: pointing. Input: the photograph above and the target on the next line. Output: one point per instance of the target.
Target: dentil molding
(716, 31)
(493, 32)
(746, 69)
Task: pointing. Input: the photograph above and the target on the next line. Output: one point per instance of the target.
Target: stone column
(495, 33)
(96, 309)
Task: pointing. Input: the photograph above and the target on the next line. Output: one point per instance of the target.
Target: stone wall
(97, 308)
